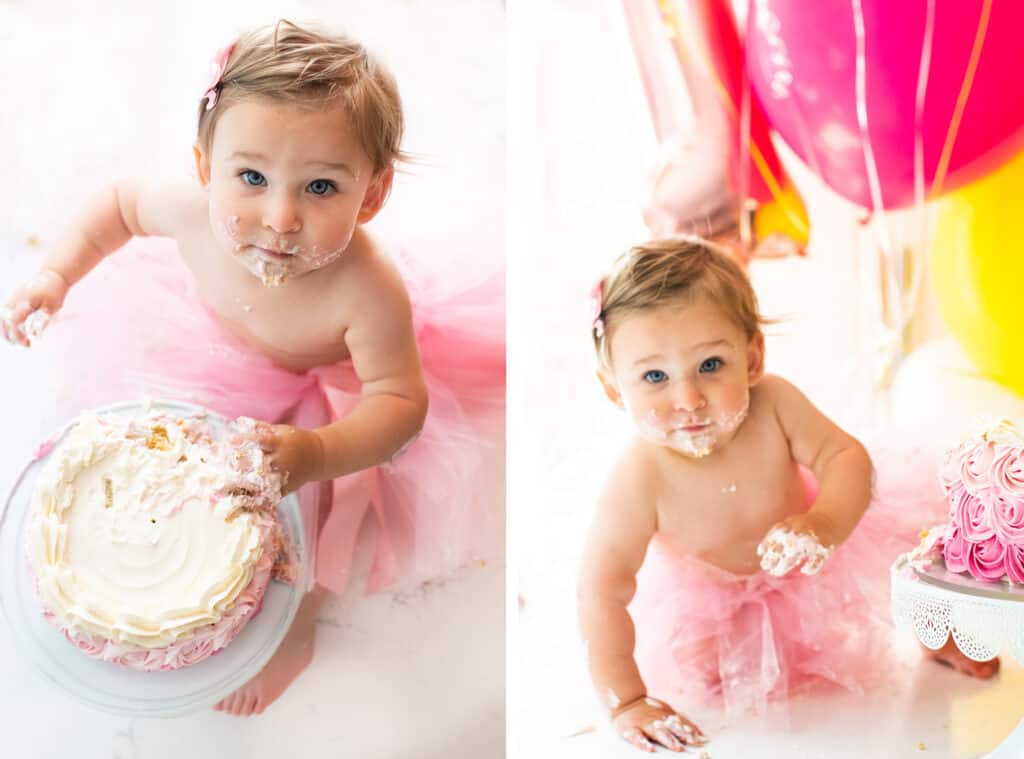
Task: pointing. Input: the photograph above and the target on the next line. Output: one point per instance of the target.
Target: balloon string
(746, 233)
(874, 184)
(961, 102)
(927, 45)
(671, 22)
(922, 88)
(891, 300)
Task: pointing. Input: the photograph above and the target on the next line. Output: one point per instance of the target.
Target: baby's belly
(728, 539)
(740, 558)
(296, 352)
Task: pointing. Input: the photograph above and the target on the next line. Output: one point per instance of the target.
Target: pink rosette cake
(152, 544)
(983, 479)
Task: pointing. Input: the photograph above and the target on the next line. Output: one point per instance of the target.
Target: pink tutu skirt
(136, 328)
(709, 641)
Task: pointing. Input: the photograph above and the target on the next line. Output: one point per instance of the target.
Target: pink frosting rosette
(987, 560)
(949, 469)
(1007, 517)
(88, 644)
(972, 515)
(1008, 470)
(976, 467)
(954, 551)
(196, 652)
(1014, 563)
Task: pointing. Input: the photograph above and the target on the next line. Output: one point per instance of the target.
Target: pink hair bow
(597, 306)
(218, 63)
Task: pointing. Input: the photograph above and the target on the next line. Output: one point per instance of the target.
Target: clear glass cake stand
(112, 687)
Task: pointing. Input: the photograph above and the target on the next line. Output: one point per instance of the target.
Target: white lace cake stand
(983, 619)
(112, 687)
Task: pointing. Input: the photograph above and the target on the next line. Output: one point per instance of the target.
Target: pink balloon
(802, 59)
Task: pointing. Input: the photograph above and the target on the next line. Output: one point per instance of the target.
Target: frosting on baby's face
(684, 373)
(288, 185)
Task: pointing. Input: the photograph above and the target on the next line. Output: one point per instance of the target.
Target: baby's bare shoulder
(772, 387)
(173, 206)
(774, 397)
(367, 276)
(632, 481)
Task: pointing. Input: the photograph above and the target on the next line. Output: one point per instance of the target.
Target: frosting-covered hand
(30, 308)
(802, 540)
(647, 722)
(296, 453)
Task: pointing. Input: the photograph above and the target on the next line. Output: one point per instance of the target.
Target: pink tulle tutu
(710, 640)
(136, 327)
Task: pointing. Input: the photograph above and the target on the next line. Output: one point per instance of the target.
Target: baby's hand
(647, 719)
(33, 304)
(802, 539)
(296, 453)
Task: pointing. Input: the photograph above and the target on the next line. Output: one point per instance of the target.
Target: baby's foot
(953, 657)
(293, 656)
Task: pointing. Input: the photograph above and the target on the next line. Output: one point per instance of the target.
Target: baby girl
(726, 531)
(269, 299)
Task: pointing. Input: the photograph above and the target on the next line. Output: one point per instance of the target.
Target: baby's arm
(840, 464)
(393, 400)
(623, 526)
(108, 221)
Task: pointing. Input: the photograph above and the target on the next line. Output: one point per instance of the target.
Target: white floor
(101, 90)
(584, 144)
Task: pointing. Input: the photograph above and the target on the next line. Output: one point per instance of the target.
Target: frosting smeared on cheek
(670, 429)
(272, 270)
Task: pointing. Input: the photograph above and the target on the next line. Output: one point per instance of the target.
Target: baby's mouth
(691, 429)
(274, 254)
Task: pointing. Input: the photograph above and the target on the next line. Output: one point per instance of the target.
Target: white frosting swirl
(135, 536)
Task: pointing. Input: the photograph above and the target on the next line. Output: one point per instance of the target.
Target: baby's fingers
(685, 730)
(786, 564)
(660, 732)
(813, 565)
(635, 737)
(13, 321)
(7, 324)
(770, 558)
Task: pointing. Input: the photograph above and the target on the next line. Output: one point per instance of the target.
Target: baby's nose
(282, 215)
(688, 398)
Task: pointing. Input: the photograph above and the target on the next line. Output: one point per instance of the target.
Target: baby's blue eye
(655, 376)
(253, 178)
(320, 186)
(709, 365)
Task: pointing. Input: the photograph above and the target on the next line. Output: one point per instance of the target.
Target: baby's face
(684, 373)
(287, 187)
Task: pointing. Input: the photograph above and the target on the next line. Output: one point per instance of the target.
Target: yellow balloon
(977, 272)
(784, 215)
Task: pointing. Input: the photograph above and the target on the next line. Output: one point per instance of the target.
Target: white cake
(151, 543)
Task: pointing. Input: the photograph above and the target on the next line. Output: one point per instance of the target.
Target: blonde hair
(288, 63)
(671, 271)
